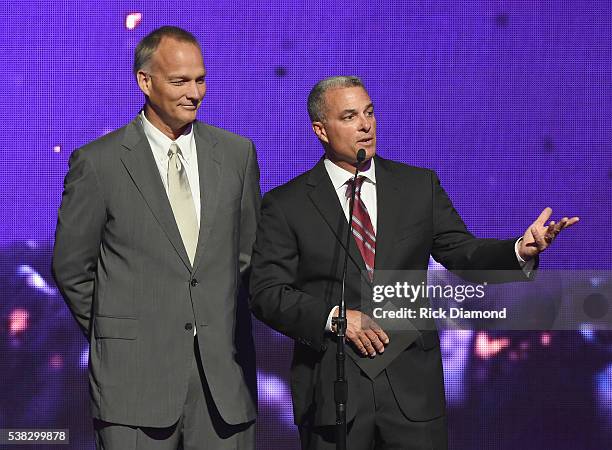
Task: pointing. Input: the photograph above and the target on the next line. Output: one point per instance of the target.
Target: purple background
(510, 102)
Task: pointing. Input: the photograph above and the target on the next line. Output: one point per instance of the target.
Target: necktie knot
(173, 153)
(358, 184)
(174, 149)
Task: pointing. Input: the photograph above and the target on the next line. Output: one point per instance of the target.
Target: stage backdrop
(509, 101)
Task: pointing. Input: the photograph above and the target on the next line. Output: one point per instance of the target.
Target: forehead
(176, 56)
(341, 99)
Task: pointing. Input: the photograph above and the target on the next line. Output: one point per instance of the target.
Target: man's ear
(320, 131)
(144, 82)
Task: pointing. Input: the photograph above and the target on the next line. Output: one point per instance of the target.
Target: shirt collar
(339, 176)
(160, 141)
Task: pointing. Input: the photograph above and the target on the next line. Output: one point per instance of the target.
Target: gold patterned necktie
(181, 201)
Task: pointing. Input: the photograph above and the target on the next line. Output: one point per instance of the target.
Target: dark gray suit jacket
(297, 278)
(123, 270)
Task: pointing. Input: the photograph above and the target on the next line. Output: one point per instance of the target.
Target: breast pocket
(418, 230)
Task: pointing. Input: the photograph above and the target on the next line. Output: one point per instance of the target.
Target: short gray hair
(316, 98)
(147, 46)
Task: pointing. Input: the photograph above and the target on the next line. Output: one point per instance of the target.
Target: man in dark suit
(402, 216)
(154, 234)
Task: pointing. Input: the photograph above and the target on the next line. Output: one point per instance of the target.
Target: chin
(370, 152)
(185, 120)
(190, 117)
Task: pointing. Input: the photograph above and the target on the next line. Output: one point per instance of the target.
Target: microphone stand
(340, 386)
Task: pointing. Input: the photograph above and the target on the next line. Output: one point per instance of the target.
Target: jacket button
(194, 282)
(188, 326)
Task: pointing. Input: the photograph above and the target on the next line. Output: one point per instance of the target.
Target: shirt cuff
(328, 325)
(527, 266)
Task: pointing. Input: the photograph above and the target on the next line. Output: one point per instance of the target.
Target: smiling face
(173, 82)
(349, 124)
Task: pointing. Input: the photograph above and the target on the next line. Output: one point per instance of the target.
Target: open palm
(539, 236)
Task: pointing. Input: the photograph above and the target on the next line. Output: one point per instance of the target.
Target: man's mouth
(365, 141)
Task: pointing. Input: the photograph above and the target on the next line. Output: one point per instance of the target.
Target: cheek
(339, 140)
(170, 96)
(174, 99)
(335, 138)
(347, 136)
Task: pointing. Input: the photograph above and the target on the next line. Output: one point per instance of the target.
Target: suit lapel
(210, 160)
(140, 164)
(393, 208)
(326, 202)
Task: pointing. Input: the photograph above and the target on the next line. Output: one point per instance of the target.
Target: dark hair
(147, 46)
(316, 98)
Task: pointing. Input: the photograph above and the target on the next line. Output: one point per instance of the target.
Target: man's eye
(348, 117)
(177, 83)
(200, 81)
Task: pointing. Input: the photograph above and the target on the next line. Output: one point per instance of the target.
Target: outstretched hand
(539, 236)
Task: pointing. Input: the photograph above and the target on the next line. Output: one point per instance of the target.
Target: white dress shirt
(339, 177)
(160, 144)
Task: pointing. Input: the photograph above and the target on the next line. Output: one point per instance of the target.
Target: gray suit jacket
(123, 270)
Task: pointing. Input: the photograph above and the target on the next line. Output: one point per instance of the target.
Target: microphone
(340, 385)
(361, 155)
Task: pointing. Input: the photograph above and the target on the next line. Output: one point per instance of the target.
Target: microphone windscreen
(361, 155)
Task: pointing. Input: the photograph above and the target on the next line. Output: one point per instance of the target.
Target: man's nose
(364, 123)
(193, 91)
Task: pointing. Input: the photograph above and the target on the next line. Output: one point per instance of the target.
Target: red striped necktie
(363, 231)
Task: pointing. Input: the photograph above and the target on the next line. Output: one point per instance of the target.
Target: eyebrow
(346, 111)
(173, 76)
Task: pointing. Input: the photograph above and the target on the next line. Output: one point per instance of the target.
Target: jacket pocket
(429, 340)
(115, 327)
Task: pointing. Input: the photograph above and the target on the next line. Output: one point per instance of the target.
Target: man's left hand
(539, 236)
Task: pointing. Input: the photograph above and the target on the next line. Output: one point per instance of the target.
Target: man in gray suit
(153, 239)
